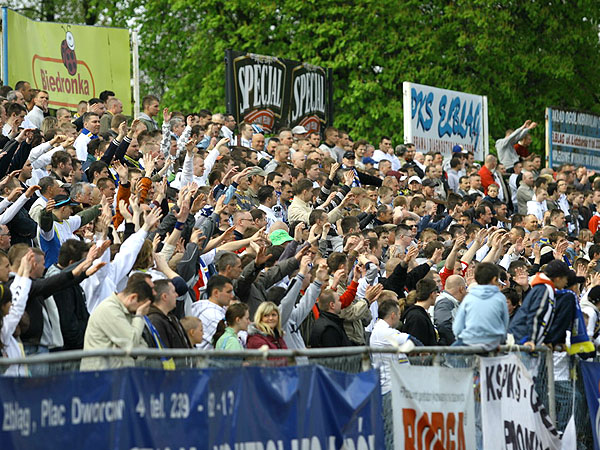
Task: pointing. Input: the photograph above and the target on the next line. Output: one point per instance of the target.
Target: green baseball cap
(279, 237)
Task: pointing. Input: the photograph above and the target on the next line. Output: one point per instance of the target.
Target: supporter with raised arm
(12, 307)
(506, 146)
(91, 128)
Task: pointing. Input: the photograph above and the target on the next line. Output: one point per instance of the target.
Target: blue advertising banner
(249, 408)
(572, 137)
(591, 381)
(435, 120)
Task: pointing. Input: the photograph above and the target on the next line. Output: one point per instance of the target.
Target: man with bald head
(525, 191)
(446, 305)
(298, 159)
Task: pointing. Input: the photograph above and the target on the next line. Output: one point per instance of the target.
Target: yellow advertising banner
(71, 62)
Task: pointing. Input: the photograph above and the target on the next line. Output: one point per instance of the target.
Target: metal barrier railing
(72, 355)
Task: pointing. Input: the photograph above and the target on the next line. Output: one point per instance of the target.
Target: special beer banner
(274, 92)
(71, 62)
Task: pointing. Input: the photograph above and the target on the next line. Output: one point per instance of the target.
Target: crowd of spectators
(188, 230)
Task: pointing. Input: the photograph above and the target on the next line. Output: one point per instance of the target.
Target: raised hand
(303, 251)
(190, 146)
(337, 276)
(223, 141)
(122, 131)
(9, 177)
(349, 177)
(261, 256)
(133, 129)
(198, 203)
(230, 173)
(26, 264)
(167, 115)
(184, 210)
(149, 164)
(298, 231)
(95, 268)
(152, 219)
(437, 255)
(220, 206)
(459, 242)
(412, 253)
(521, 277)
(50, 205)
(122, 171)
(58, 139)
(322, 275)
(197, 237)
(156, 241)
(236, 178)
(32, 190)
(334, 168)
(305, 264)
(373, 292)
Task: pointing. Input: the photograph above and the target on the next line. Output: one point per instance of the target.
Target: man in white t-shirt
(385, 334)
(267, 198)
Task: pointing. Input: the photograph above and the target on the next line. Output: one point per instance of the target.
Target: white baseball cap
(299, 129)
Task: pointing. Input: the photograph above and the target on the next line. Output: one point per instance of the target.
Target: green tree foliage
(523, 55)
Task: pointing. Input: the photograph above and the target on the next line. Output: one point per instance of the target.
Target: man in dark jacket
(532, 321)
(565, 312)
(328, 330)
(166, 330)
(70, 302)
(36, 338)
(416, 320)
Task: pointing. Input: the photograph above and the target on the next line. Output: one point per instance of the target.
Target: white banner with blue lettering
(290, 408)
(512, 413)
(572, 137)
(435, 120)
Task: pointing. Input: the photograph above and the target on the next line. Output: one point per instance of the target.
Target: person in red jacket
(266, 329)
(487, 172)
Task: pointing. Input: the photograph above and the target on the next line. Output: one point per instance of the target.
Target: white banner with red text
(433, 408)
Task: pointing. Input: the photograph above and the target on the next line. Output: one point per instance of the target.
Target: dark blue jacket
(534, 318)
(563, 317)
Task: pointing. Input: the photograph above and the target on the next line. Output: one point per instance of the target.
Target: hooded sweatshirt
(482, 317)
(534, 318)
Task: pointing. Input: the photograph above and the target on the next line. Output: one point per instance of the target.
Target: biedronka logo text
(76, 79)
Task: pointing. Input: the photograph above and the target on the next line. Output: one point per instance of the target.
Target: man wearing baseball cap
(57, 224)
(534, 318)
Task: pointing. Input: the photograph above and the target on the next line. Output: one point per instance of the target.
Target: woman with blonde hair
(266, 329)
(49, 124)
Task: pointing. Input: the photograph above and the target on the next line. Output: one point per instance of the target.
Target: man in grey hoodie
(482, 317)
(446, 306)
(506, 146)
